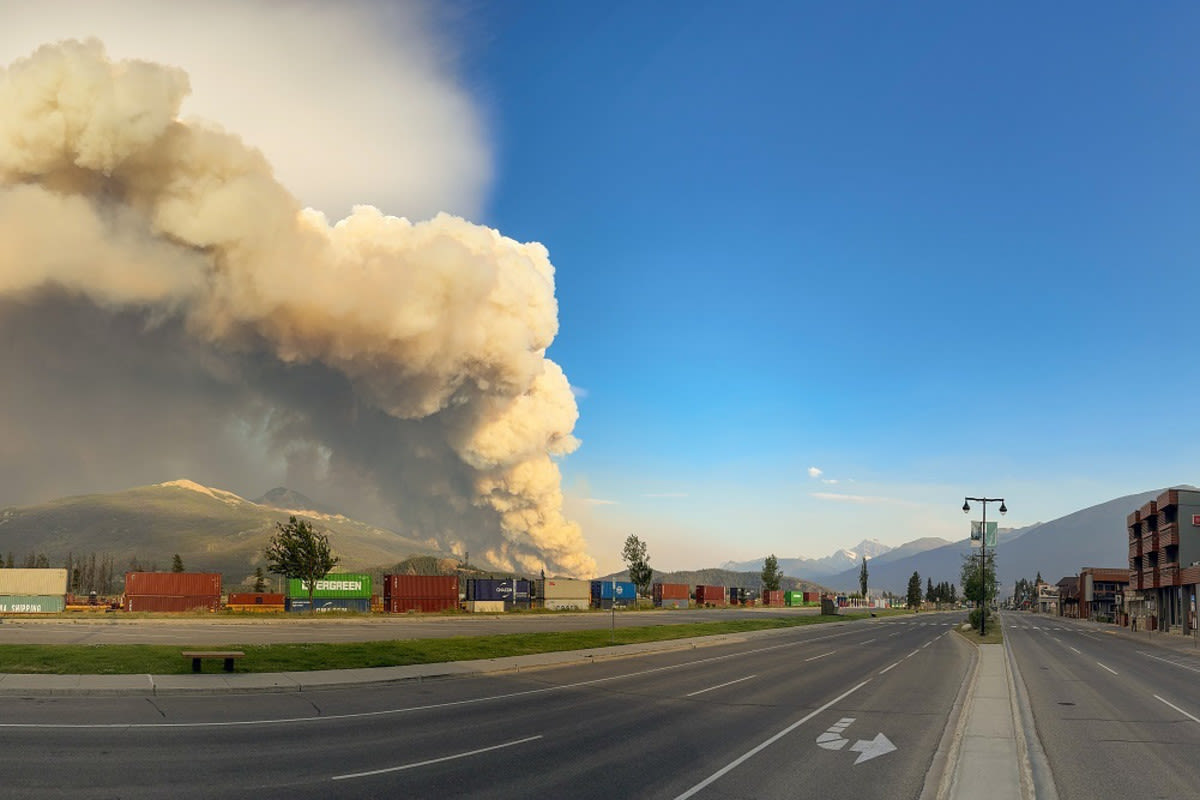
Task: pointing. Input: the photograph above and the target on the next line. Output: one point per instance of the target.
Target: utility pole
(966, 507)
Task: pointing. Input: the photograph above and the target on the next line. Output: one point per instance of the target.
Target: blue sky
(931, 250)
(822, 268)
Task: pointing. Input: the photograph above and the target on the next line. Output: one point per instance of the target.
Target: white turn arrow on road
(832, 739)
(878, 746)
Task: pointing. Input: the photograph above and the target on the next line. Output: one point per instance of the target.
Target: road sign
(867, 749)
(977, 529)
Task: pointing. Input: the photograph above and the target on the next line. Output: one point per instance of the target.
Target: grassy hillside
(212, 531)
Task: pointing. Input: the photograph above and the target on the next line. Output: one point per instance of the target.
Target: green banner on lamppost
(977, 531)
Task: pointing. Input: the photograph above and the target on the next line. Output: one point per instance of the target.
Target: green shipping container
(335, 584)
(793, 598)
(31, 604)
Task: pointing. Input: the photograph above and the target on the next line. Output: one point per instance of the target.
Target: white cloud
(829, 480)
(579, 392)
(860, 498)
(814, 472)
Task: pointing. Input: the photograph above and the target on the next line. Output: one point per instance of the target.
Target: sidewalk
(987, 764)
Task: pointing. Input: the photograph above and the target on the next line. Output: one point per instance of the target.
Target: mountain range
(818, 569)
(212, 530)
(217, 531)
(1092, 537)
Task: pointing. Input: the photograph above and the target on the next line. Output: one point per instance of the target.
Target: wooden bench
(199, 655)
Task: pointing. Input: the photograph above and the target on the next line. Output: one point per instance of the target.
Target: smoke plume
(168, 307)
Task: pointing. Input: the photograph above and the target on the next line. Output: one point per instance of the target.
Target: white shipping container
(566, 603)
(486, 606)
(556, 589)
(33, 581)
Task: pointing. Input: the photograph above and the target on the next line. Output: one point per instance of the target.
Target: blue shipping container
(326, 605)
(624, 591)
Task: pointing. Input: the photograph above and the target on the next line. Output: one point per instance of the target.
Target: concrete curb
(1037, 780)
(945, 759)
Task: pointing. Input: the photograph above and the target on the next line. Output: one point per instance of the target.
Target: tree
(260, 581)
(297, 551)
(176, 563)
(979, 584)
(771, 574)
(914, 591)
(638, 561)
(862, 577)
(930, 597)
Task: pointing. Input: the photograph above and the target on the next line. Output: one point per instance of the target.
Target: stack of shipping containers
(671, 595)
(337, 591)
(172, 591)
(606, 594)
(32, 591)
(560, 594)
(428, 593)
(772, 597)
(260, 602)
(708, 595)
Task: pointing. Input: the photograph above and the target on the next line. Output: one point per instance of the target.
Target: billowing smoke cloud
(165, 304)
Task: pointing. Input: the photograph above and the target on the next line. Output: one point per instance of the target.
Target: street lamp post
(983, 554)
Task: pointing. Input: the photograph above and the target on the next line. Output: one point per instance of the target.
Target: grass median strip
(134, 659)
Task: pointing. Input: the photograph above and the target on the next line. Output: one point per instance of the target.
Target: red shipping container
(255, 599)
(420, 587)
(812, 597)
(773, 597)
(154, 602)
(671, 591)
(711, 595)
(428, 605)
(173, 584)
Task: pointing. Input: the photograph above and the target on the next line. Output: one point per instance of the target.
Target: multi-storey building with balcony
(1164, 562)
(1099, 590)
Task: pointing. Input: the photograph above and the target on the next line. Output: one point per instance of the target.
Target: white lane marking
(897, 633)
(1110, 669)
(433, 760)
(868, 641)
(721, 685)
(913, 653)
(873, 748)
(814, 658)
(1177, 708)
(1076, 650)
(406, 709)
(758, 749)
(1168, 661)
(890, 667)
(832, 739)
(931, 641)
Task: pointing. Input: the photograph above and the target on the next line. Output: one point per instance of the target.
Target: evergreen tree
(260, 581)
(929, 595)
(862, 578)
(176, 563)
(771, 574)
(914, 591)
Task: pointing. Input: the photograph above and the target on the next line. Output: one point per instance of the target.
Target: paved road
(1116, 717)
(117, 629)
(729, 721)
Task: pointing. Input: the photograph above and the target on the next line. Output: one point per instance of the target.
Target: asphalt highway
(850, 710)
(1116, 717)
(284, 628)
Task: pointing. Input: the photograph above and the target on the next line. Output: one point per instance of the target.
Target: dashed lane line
(434, 760)
(720, 686)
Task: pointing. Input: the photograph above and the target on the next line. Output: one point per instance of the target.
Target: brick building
(1164, 562)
